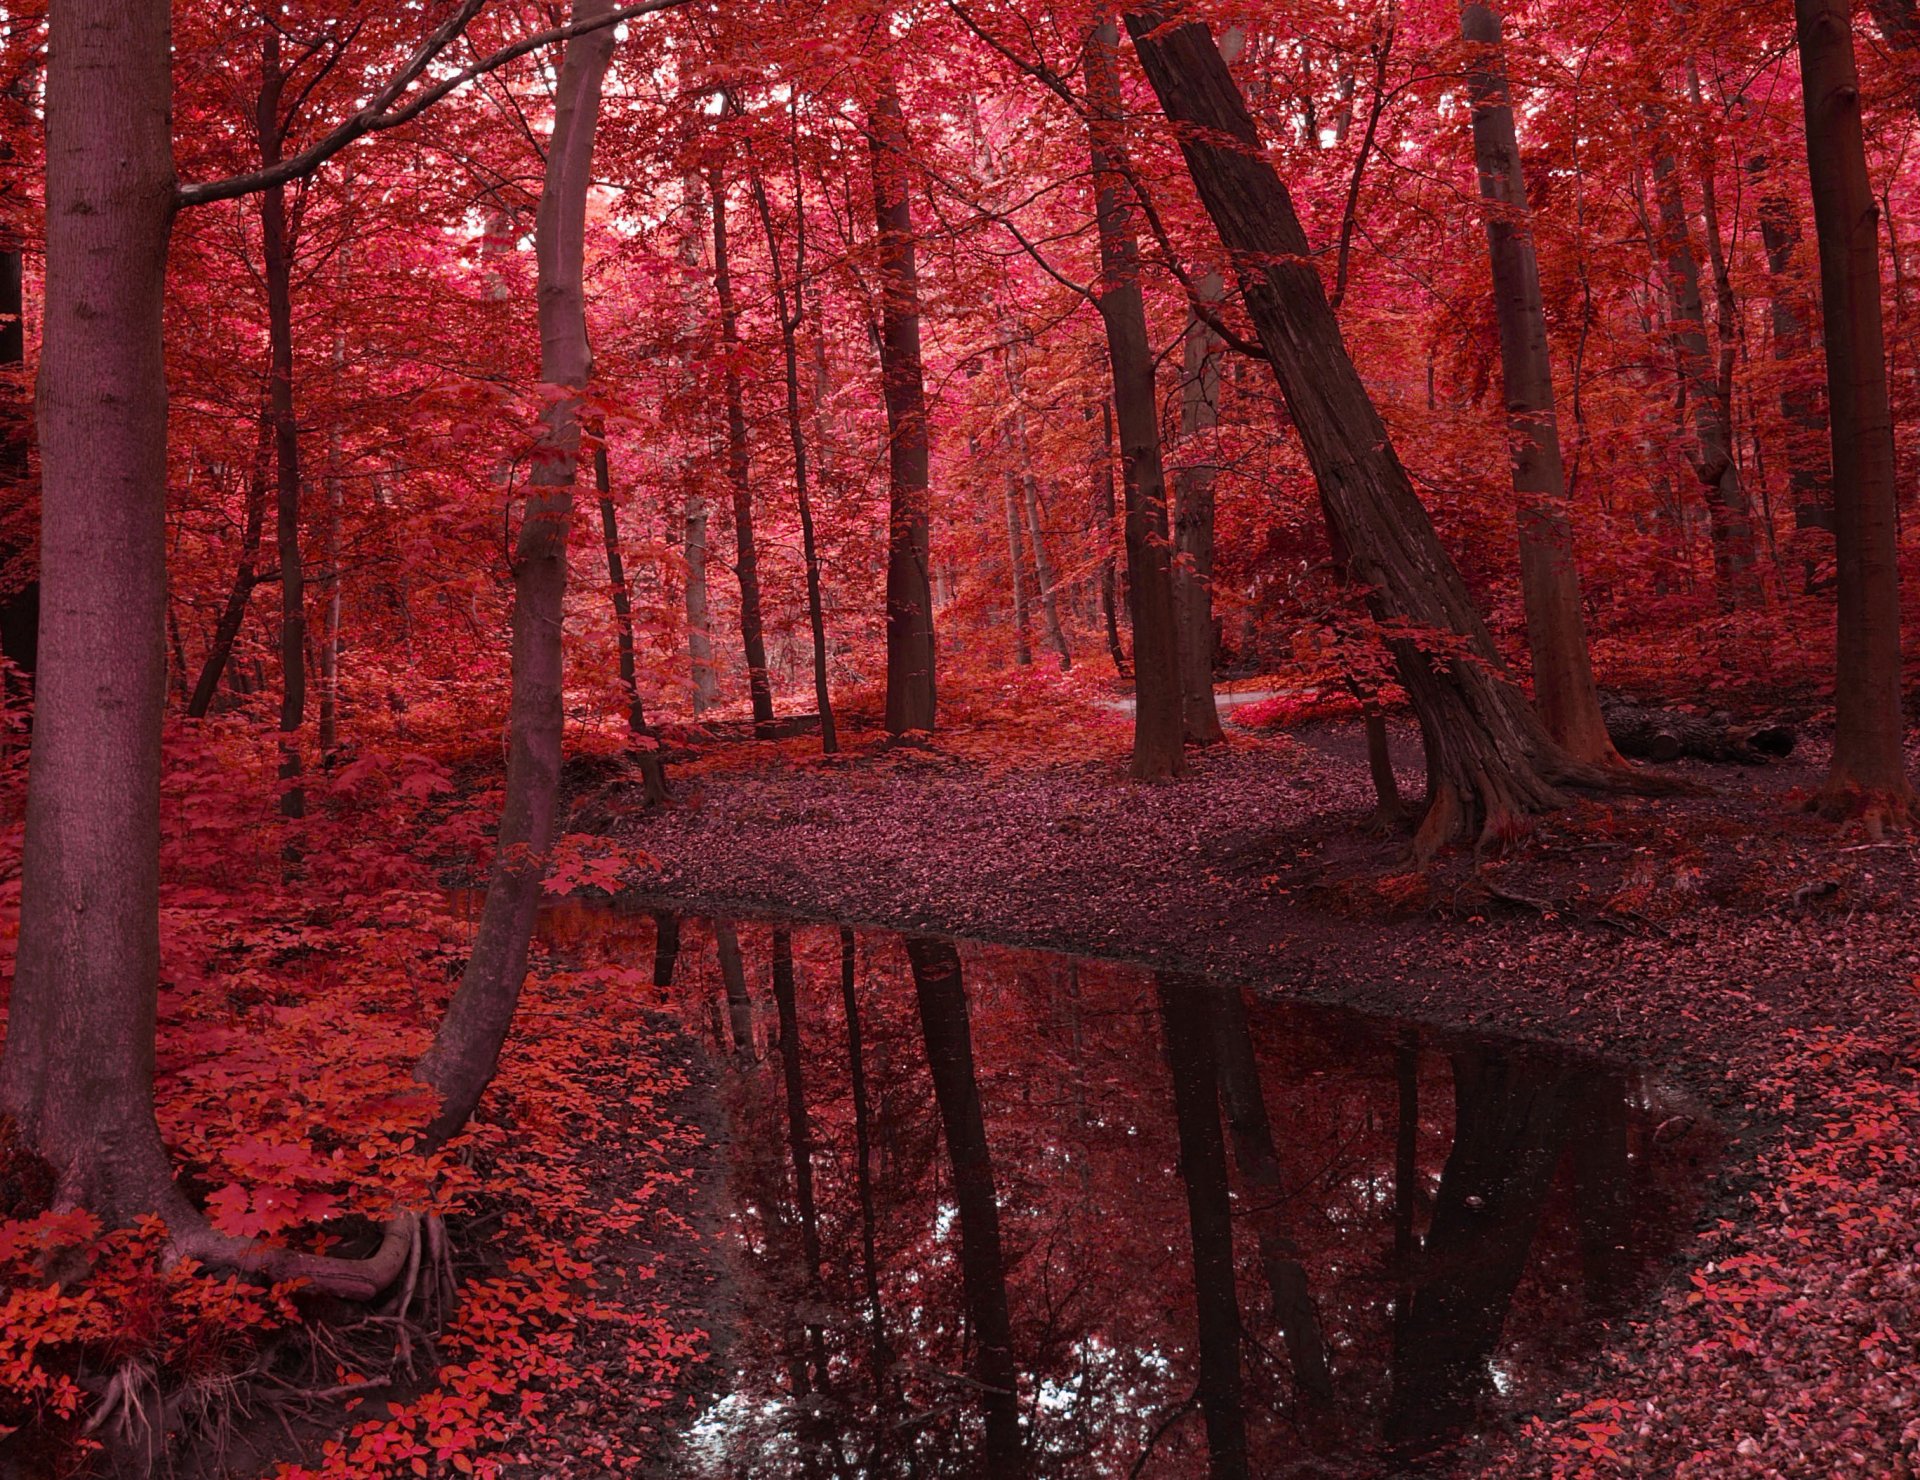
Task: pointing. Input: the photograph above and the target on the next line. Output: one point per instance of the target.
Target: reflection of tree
(1245, 1103)
(733, 973)
(1512, 1113)
(880, 1357)
(800, 1148)
(666, 947)
(1187, 1019)
(943, 1021)
(1602, 1189)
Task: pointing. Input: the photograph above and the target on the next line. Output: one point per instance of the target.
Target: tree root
(1878, 810)
(351, 1279)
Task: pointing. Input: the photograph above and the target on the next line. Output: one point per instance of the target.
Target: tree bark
(1729, 514)
(653, 771)
(910, 640)
(465, 1051)
(77, 1071)
(1490, 758)
(1868, 778)
(1103, 514)
(1792, 343)
(1042, 567)
(666, 947)
(1017, 572)
(1193, 524)
(245, 578)
(1157, 728)
(1563, 687)
(943, 1019)
(733, 976)
(739, 467)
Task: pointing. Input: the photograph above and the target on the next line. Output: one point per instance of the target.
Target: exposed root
(123, 1411)
(351, 1279)
(1878, 810)
(1620, 780)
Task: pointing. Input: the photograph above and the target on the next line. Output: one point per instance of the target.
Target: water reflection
(997, 1213)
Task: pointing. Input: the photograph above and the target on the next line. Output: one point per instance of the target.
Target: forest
(913, 738)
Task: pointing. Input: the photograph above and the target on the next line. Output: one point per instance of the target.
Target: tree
(910, 645)
(1868, 777)
(1193, 522)
(1157, 727)
(1563, 687)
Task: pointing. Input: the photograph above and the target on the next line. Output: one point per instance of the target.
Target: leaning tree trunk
(466, 1049)
(1157, 730)
(1193, 523)
(653, 771)
(910, 647)
(1490, 760)
(1868, 777)
(739, 468)
(1563, 687)
(77, 1073)
(245, 578)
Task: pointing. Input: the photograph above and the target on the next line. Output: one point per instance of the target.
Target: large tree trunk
(1563, 687)
(1157, 729)
(467, 1047)
(739, 468)
(1868, 777)
(1491, 761)
(77, 1074)
(910, 646)
(1729, 514)
(943, 1020)
(1187, 1027)
(790, 349)
(1193, 524)
(245, 578)
(277, 247)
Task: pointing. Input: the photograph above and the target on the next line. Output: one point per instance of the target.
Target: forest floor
(1759, 958)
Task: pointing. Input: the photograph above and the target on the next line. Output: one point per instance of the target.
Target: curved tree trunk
(467, 1047)
(1157, 729)
(653, 772)
(1193, 525)
(1868, 777)
(77, 1074)
(245, 578)
(1563, 687)
(910, 644)
(1490, 759)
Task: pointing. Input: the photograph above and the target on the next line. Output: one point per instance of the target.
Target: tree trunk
(1729, 515)
(466, 1049)
(799, 1139)
(910, 645)
(1563, 687)
(739, 468)
(245, 578)
(1491, 760)
(277, 247)
(878, 1353)
(1042, 567)
(943, 1020)
(1157, 728)
(666, 947)
(19, 584)
(1899, 23)
(1800, 392)
(1193, 524)
(1017, 571)
(1103, 514)
(1186, 1023)
(1868, 777)
(790, 349)
(733, 976)
(653, 773)
(77, 1071)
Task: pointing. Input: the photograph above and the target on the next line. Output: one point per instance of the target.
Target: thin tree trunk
(733, 976)
(77, 1071)
(1563, 687)
(666, 947)
(466, 1049)
(704, 674)
(1899, 23)
(1800, 391)
(278, 248)
(1017, 571)
(1729, 515)
(1193, 523)
(1868, 777)
(1186, 1024)
(329, 736)
(879, 1353)
(799, 1139)
(1157, 728)
(739, 467)
(1103, 513)
(1042, 567)
(1491, 760)
(245, 578)
(943, 1019)
(653, 774)
(910, 640)
(790, 322)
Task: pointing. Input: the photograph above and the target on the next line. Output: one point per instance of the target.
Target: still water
(986, 1212)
